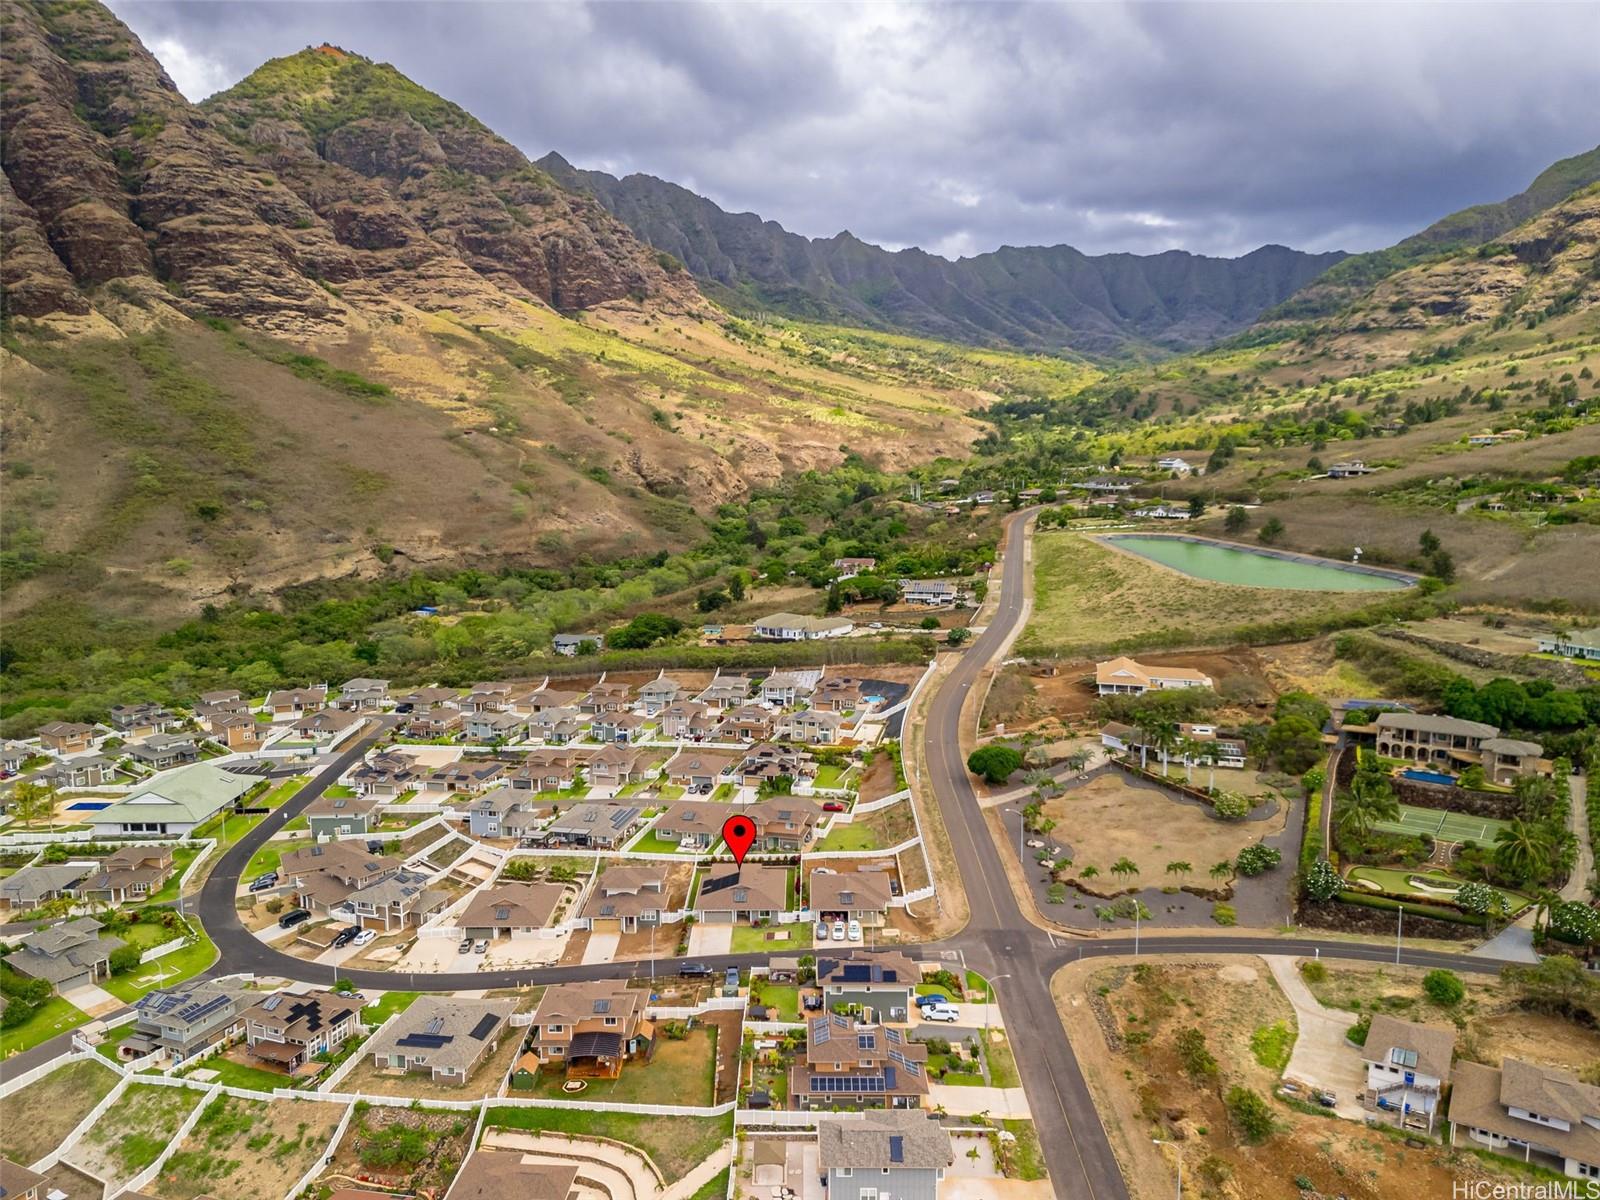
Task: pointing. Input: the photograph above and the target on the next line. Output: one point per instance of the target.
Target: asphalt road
(1017, 956)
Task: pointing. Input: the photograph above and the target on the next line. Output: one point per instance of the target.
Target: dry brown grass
(37, 1119)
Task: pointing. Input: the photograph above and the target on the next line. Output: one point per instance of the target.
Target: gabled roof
(896, 1139)
(523, 905)
(1434, 1047)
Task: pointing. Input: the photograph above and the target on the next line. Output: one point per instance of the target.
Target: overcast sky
(959, 128)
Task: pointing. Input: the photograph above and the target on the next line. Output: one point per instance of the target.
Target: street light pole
(1399, 926)
(1179, 1149)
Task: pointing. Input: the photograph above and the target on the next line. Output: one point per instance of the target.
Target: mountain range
(328, 319)
(1048, 298)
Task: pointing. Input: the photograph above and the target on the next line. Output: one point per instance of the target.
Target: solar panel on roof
(897, 1148)
(602, 1006)
(893, 1035)
(821, 1030)
(856, 973)
(484, 1027)
(914, 1068)
(272, 1001)
(425, 1041)
(848, 1083)
(434, 1025)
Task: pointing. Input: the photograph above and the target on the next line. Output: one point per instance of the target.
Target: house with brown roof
(17, 1182)
(544, 699)
(626, 897)
(437, 721)
(1408, 1066)
(606, 697)
(747, 723)
(325, 875)
(847, 1065)
(496, 1174)
(1124, 676)
(850, 896)
(291, 701)
(402, 900)
(687, 720)
(812, 727)
(770, 761)
(467, 776)
(330, 816)
(615, 766)
(239, 732)
(837, 693)
(66, 737)
(589, 1030)
(694, 823)
(730, 893)
(328, 727)
(510, 910)
(287, 1029)
(878, 986)
(785, 824)
(726, 692)
(486, 698)
(128, 875)
(701, 770)
(558, 726)
(1539, 1114)
(546, 771)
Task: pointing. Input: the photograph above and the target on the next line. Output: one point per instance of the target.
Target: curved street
(999, 940)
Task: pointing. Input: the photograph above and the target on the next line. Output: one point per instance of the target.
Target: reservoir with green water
(1253, 568)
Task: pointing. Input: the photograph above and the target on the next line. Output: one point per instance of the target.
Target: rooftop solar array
(484, 1027)
(425, 1041)
(897, 1148)
(848, 1083)
(896, 1057)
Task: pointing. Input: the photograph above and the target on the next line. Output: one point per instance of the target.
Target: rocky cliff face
(1039, 297)
(317, 172)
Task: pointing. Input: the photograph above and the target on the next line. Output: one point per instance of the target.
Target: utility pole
(1399, 926)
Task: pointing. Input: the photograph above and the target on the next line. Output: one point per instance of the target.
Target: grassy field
(681, 1072)
(783, 997)
(165, 971)
(1399, 883)
(266, 859)
(248, 1150)
(132, 1133)
(182, 855)
(747, 939)
(54, 1016)
(37, 1119)
(676, 1144)
(1090, 598)
(239, 1075)
(391, 1003)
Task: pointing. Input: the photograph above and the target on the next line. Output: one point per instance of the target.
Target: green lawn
(163, 972)
(182, 855)
(976, 988)
(724, 791)
(747, 939)
(831, 776)
(955, 1078)
(783, 997)
(392, 1002)
(849, 837)
(1030, 1156)
(237, 1075)
(1398, 883)
(113, 1037)
(52, 1017)
(1002, 1064)
(147, 934)
(297, 824)
(680, 1072)
(651, 843)
(340, 791)
(676, 1144)
(671, 791)
(1272, 1045)
(266, 859)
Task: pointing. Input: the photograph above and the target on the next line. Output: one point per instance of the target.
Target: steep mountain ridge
(1037, 297)
(1468, 228)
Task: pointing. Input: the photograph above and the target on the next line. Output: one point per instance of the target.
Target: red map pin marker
(740, 834)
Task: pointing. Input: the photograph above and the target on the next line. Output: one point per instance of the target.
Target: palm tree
(1222, 869)
(1523, 851)
(1369, 801)
(1209, 754)
(1147, 737)
(1166, 737)
(1179, 867)
(1124, 867)
(1089, 872)
(1189, 751)
(1077, 760)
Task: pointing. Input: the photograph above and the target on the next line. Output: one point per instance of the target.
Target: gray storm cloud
(959, 128)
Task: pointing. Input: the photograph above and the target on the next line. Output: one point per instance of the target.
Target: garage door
(605, 925)
(716, 917)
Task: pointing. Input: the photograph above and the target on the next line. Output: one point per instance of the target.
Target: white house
(1124, 676)
(1174, 464)
(1408, 1065)
(1583, 644)
(791, 627)
(932, 592)
(1523, 1109)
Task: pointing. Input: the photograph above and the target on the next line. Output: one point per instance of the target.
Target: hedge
(1390, 904)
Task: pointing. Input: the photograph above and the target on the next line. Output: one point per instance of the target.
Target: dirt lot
(134, 1131)
(1110, 817)
(1124, 1020)
(247, 1149)
(1496, 1027)
(1028, 698)
(37, 1119)
(419, 1150)
(878, 780)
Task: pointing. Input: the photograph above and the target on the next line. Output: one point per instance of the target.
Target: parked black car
(346, 935)
(262, 882)
(695, 970)
(295, 917)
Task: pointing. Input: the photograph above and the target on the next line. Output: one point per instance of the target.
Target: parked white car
(947, 1013)
(838, 931)
(855, 931)
(365, 936)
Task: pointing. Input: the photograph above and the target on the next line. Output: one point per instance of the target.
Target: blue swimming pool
(89, 805)
(1422, 776)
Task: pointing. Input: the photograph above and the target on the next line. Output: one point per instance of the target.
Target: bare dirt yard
(1111, 817)
(248, 1149)
(37, 1119)
(1142, 1032)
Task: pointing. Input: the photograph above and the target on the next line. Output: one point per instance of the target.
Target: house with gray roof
(32, 886)
(396, 901)
(592, 826)
(162, 750)
(1408, 1066)
(1543, 1115)
(329, 816)
(69, 955)
(87, 770)
(185, 1020)
(445, 1037)
(898, 1153)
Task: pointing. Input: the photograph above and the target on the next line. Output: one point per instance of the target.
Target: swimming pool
(90, 805)
(1248, 567)
(1422, 776)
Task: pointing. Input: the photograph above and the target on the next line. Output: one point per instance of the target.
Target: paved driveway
(601, 947)
(706, 940)
(93, 999)
(1322, 1057)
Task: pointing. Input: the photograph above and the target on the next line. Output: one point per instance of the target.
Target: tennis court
(1444, 826)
